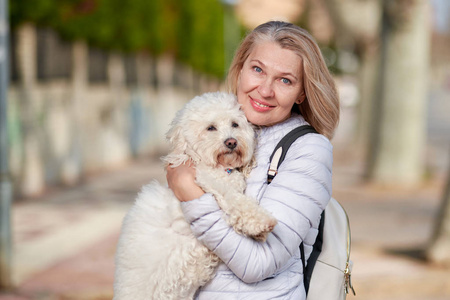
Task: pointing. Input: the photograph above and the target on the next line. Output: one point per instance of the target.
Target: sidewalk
(64, 241)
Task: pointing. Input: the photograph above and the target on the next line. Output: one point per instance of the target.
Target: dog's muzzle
(231, 143)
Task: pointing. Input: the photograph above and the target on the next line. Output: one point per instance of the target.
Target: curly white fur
(157, 256)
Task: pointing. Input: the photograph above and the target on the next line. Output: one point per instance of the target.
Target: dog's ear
(178, 146)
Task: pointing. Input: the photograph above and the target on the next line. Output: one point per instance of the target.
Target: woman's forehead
(272, 55)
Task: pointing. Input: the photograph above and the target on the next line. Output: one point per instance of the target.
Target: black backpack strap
(317, 248)
(282, 147)
(276, 159)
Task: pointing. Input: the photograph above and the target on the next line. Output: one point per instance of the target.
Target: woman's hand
(181, 181)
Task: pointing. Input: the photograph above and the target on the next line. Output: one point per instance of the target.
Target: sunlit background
(94, 84)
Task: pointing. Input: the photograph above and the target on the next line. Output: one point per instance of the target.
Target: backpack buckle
(271, 175)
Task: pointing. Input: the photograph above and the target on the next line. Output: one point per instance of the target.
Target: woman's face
(270, 83)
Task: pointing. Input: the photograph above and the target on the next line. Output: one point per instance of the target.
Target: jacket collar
(278, 131)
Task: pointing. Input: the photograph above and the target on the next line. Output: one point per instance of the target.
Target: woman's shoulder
(312, 140)
(276, 132)
(312, 145)
(270, 136)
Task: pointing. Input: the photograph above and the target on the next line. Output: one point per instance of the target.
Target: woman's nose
(265, 88)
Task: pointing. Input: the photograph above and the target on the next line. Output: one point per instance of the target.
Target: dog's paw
(263, 227)
(203, 178)
(211, 180)
(256, 226)
(262, 237)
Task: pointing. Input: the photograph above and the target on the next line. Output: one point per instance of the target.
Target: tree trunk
(72, 166)
(439, 250)
(32, 177)
(398, 146)
(357, 25)
(114, 121)
(5, 176)
(166, 102)
(369, 95)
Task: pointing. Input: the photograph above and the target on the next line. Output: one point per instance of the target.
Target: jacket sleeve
(296, 198)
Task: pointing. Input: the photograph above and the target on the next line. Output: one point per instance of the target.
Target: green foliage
(200, 35)
(192, 30)
(40, 12)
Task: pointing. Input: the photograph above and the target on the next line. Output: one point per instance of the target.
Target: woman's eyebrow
(282, 74)
(258, 61)
(289, 74)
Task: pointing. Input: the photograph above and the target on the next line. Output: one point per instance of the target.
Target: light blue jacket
(296, 197)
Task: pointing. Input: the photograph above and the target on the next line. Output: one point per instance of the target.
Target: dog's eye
(234, 124)
(211, 128)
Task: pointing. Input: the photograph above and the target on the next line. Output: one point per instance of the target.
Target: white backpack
(331, 274)
(327, 273)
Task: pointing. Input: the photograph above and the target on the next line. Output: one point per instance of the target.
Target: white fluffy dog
(157, 256)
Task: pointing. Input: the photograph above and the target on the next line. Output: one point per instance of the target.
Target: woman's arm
(296, 198)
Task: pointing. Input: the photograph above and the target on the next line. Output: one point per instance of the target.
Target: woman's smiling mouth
(258, 106)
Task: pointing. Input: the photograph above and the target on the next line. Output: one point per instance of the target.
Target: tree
(189, 30)
(5, 182)
(393, 83)
(400, 136)
(357, 24)
(439, 250)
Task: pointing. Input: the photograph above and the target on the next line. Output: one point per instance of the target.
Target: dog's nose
(230, 143)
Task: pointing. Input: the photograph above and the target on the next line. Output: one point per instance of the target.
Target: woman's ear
(301, 97)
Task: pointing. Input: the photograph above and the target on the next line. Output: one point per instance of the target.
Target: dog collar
(229, 170)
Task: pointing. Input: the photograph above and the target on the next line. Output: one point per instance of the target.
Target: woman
(281, 82)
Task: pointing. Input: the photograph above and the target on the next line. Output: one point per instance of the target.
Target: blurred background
(89, 87)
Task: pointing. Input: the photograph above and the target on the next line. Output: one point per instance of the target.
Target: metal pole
(5, 182)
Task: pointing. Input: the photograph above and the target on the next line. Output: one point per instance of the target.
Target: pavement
(65, 239)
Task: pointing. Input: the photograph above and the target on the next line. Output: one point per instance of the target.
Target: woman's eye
(211, 128)
(257, 69)
(235, 125)
(285, 81)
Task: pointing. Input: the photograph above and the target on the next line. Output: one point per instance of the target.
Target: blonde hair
(321, 105)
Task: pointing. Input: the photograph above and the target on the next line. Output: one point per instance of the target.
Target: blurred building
(75, 110)
(254, 12)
